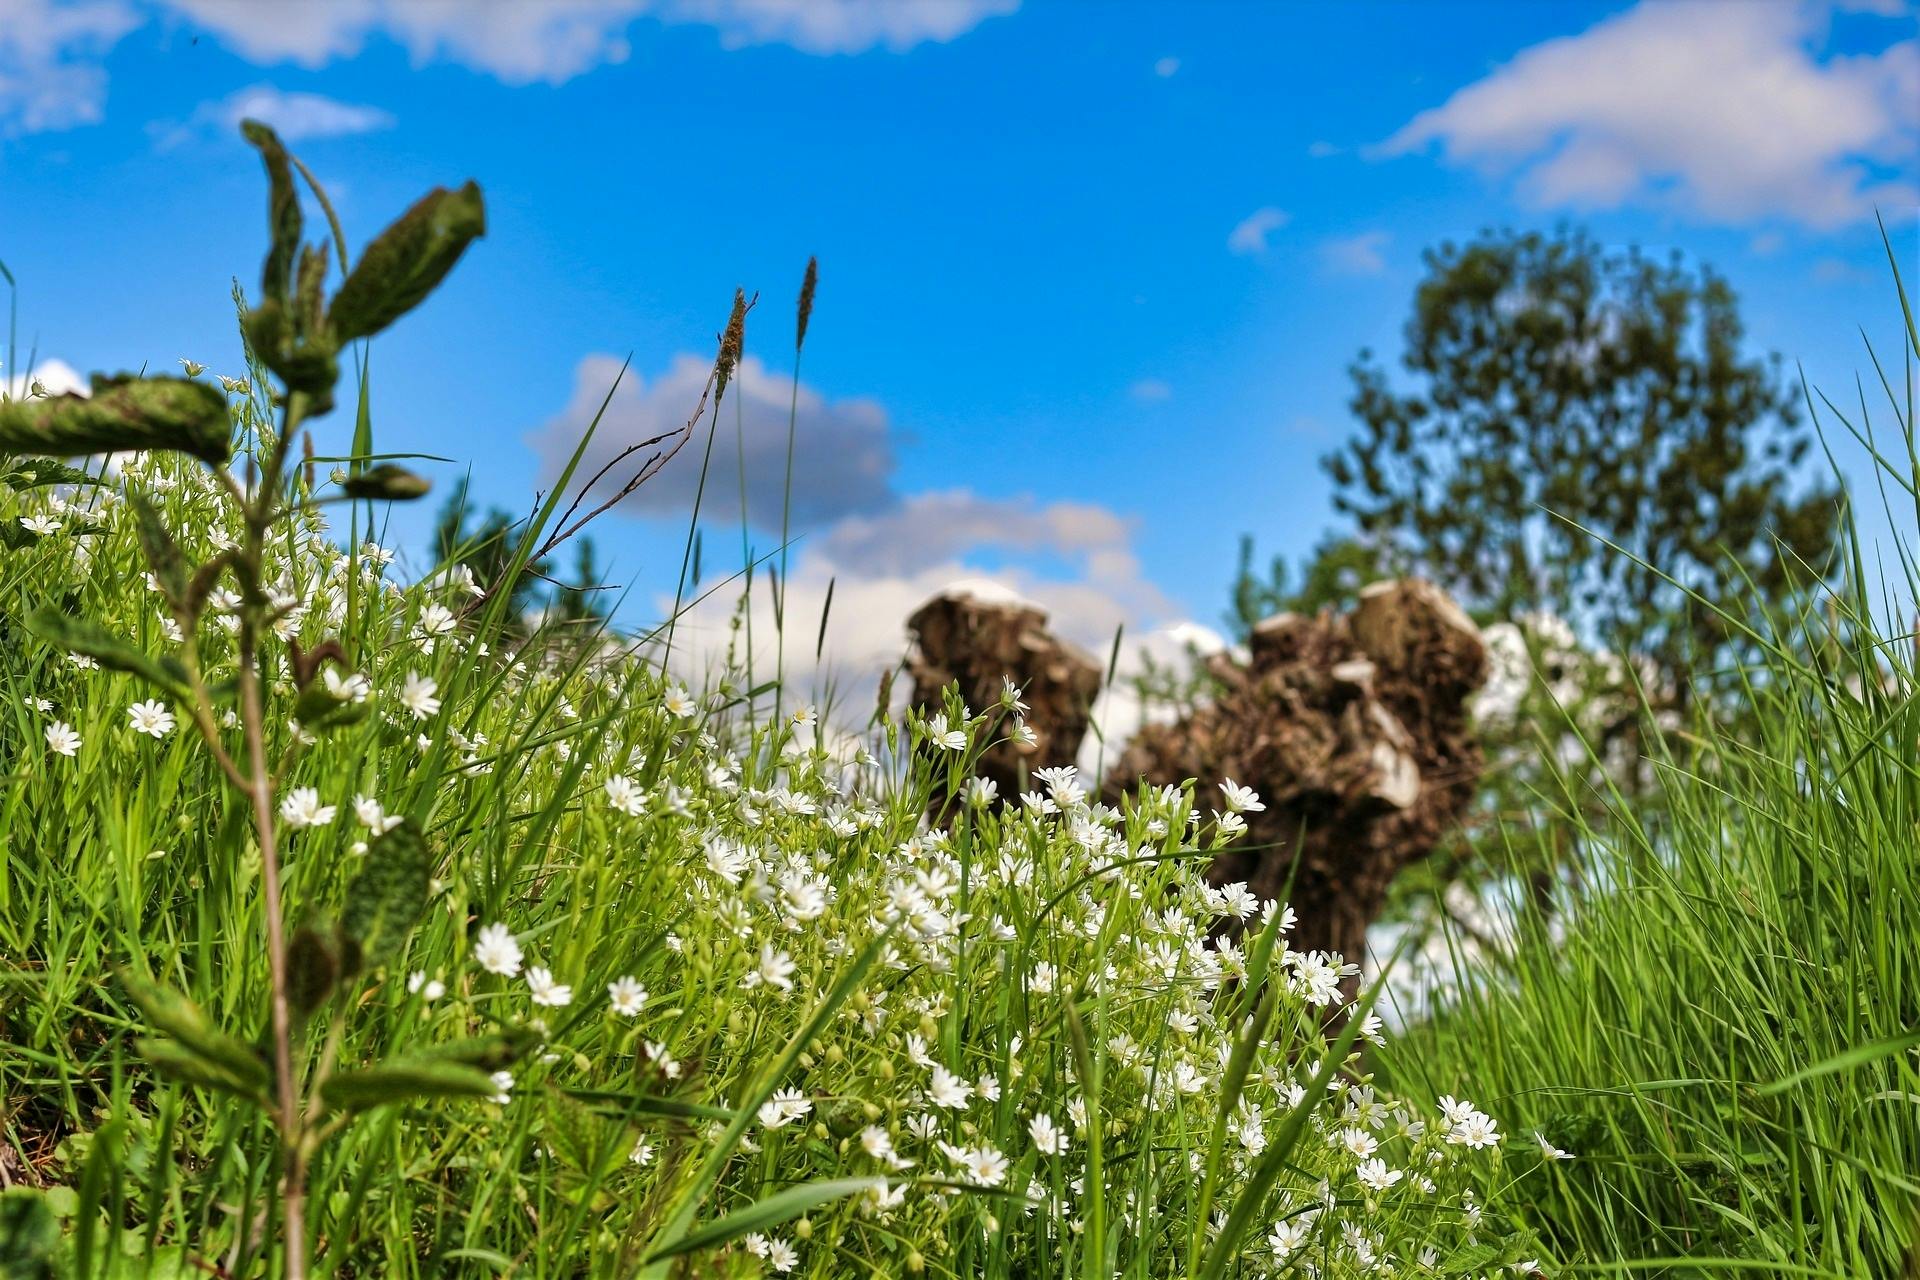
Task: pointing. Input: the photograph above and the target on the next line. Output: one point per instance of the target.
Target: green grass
(1724, 1025)
(877, 1037)
(910, 944)
(988, 1042)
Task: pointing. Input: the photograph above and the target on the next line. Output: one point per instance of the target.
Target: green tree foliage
(1332, 575)
(578, 604)
(486, 542)
(1577, 430)
(1579, 424)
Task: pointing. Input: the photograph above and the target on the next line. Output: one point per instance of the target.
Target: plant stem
(786, 513)
(290, 1117)
(261, 792)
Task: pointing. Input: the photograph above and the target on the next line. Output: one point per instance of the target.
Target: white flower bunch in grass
(675, 947)
(987, 939)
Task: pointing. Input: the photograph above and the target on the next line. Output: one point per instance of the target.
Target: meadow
(360, 926)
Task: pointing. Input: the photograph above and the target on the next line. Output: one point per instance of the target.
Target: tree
(1353, 727)
(1575, 426)
(576, 605)
(485, 544)
(1563, 397)
(1331, 576)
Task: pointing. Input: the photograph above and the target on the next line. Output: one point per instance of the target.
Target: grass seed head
(732, 342)
(807, 285)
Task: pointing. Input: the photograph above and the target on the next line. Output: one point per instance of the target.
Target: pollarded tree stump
(1354, 729)
(979, 642)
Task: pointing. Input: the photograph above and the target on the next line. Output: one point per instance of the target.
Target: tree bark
(977, 642)
(1354, 729)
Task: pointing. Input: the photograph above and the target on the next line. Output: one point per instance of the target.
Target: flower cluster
(1043, 1048)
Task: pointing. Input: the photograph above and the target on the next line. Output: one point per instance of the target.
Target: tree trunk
(1354, 729)
(979, 643)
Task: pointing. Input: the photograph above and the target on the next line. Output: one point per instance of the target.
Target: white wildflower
(62, 739)
(546, 991)
(496, 951)
(626, 996)
(417, 695)
(301, 808)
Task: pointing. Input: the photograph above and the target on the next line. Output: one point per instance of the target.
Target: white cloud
(931, 528)
(52, 51)
(884, 552)
(1356, 255)
(1104, 590)
(838, 26)
(1322, 150)
(1151, 390)
(1101, 591)
(1839, 271)
(1166, 67)
(551, 41)
(843, 456)
(296, 116)
(50, 77)
(1722, 111)
(56, 377)
(846, 507)
(1250, 237)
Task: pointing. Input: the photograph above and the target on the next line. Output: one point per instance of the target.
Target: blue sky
(1090, 274)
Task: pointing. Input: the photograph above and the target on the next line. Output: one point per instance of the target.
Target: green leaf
(29, 1234)
(386, 898)
(1250, 1203)
(163, 554)
(1845, 1060)
(307, 361)
(176, 1061)
(15, 537)
(283, 211)
(309, 303)
(170, 1012)
(79, 636)
(646, 1104)
(386, 483)
(759, 1089)
(313, 966)
(405, 1080)
(363, 420)
(35, 473)
(1469, 1259)
(580, 1137)
(407, 261)
(488, 1053)
(124, 412)
(764, 1215)
(319, 710)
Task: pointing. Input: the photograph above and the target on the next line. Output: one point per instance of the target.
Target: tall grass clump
(352, 927)
(1723, 1028)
